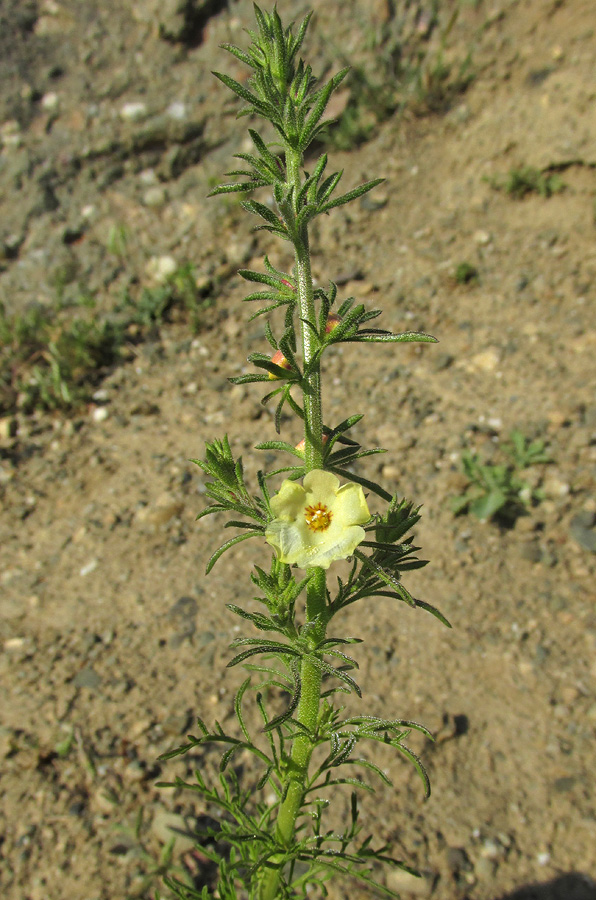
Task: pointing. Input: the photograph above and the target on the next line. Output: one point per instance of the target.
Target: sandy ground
(113, 641)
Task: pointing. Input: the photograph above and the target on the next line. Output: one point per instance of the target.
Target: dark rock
(583, 530)
(87, 678)
(457, 860)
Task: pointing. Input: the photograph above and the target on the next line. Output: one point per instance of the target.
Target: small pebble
(50, 101)
(88, 568)
(177, 110)
(133, 112)
(155, 196)
(402, 882)
(485, 868)
(482, 237)
(100, 414)
(160, 268)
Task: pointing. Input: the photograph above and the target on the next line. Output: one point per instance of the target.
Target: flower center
(318, 517)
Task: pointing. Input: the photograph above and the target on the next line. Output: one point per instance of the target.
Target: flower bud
(333, 321)
(300, 446)
(279, 359)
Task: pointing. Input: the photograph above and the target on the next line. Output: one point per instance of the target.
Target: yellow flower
(317, 522)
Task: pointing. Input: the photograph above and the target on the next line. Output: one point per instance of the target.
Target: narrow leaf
(351, 195)
(235, 540)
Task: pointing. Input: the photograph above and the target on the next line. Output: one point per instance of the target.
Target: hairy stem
(316, 596)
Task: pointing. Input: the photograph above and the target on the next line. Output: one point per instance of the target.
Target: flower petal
(329, 551)
(350, 506)
(322, 486)
(289, 502)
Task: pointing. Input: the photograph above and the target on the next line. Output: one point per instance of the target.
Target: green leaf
(259, 209)
(248, 379)
(388, 338)
(434, 612)
(263, 623)
(279, 445)
(331, 670)
(351, 195)
(486, 506)
(238, 706)
(239, 54)
(238, 188)
(280, 649)
(267, 156)
(235, 540)
(263, 107)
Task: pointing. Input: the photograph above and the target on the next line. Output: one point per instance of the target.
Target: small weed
(151, 871)
(53, 357)
(47, 363)
(497, 490)
(466, 273)
(156, 305)
(118, 237)
(405, 68)
(525, 180)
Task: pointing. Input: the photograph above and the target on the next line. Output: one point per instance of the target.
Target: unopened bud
(288, 284)
(333, 321)
(279, 359)
(301, 445)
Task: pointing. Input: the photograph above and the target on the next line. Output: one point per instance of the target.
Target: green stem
(316, 594)
(313, 415)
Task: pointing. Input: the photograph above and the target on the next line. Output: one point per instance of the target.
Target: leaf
(267, 156)
(263, 623)
(434, 612)
(242, 92)
(259, 209)
(237, 188)
(351, 195)
(331, 670)
(235, 540)
(248, 379)
(486, 506)
(388, 338)
(239, 54)
(238, 706)
(289, 651)
(279, 445)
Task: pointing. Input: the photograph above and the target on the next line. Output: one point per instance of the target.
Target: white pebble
(88, 568)
(132, 112)
(482, 237)
(100, 414)
(161, 267)
(543, 859)
(148, 177)
(50, 101)
(177, 110)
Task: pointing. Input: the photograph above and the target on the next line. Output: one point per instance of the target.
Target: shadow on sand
(573, 886)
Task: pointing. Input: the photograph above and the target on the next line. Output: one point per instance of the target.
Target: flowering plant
(278, 847)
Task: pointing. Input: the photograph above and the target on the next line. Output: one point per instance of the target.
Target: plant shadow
(571, 886)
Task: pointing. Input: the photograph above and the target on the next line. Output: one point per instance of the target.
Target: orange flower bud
(279, 359)
(301, 444)
(333, 321)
